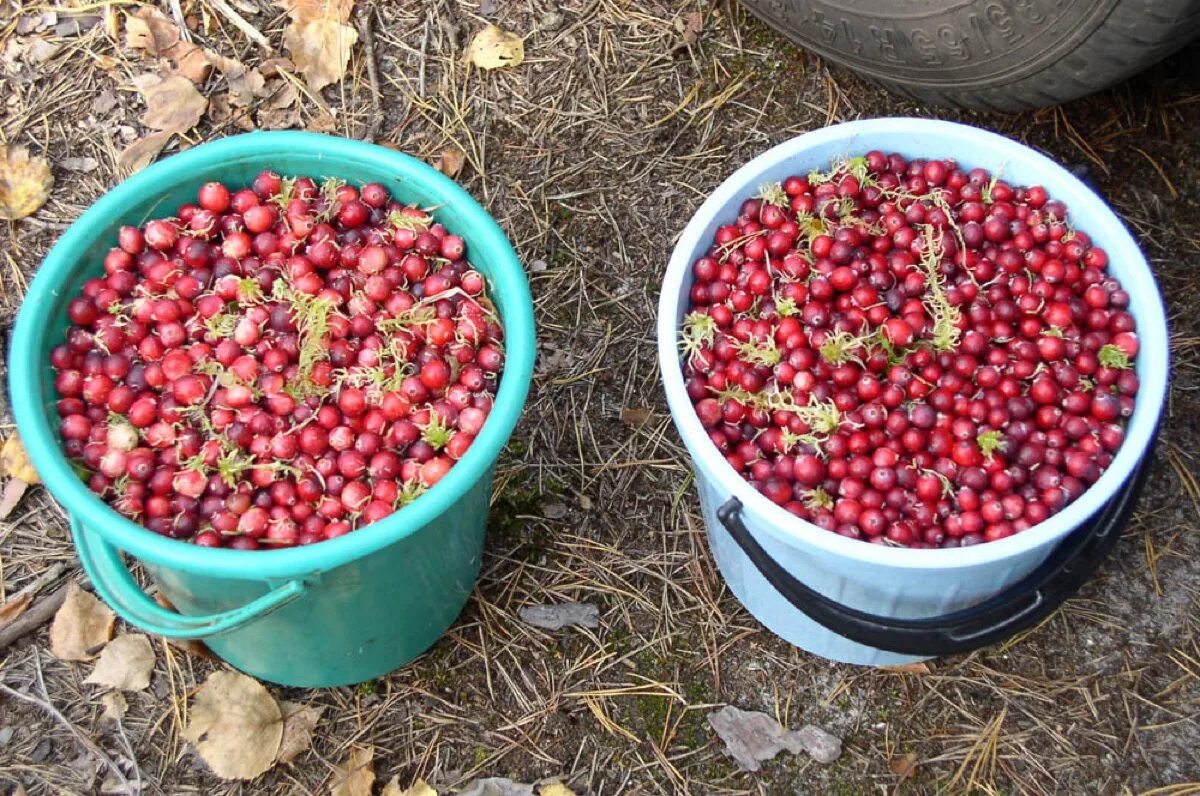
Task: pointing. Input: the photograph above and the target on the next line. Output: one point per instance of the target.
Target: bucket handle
(1022, 605)
(116, 586)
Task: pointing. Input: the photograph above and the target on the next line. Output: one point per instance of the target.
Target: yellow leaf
(556, 789)
(115, 705)
(125, 664)
(236, 726)
(419, 788)
(82, 625)
(14, 461)
(25, 183)
(356, 776)
(493, 48)
(318, 39)
(298, 724)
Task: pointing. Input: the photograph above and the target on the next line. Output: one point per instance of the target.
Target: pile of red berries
(276, 365)
(910, 353)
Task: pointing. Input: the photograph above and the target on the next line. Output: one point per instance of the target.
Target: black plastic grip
(1022, 605)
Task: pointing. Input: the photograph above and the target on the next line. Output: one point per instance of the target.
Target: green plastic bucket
(333, 613)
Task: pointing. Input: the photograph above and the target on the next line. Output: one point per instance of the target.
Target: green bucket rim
(28, 389)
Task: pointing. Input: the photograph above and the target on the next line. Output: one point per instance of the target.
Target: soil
(592, 155)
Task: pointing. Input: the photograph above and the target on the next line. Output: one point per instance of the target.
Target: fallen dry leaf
(496, 786)
(751, 737)
(298, 724)
(903, 765)
(142, 152)
(155, 34)
(125, 664)
(115, 705)
(356, 776)
(555, 511)
(556, 617)
(81, 627)
(494, 48)
(14, 608)
(636, 415)
(318, 39)
(419, 788)
(236, 726)
(14, 461)
(920, 667)
(221, 111)
(79, 164)
(173, 105)
(689, 26)
(25, 182)
(556, 789)
(450, 161)
(189, 645)
(322, 122)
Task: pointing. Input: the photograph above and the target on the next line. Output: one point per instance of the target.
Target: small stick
(38, 614)
(38, 583)
(45, 704)
(252, 33)
(177, 15)
(424, 46)
(368, 39)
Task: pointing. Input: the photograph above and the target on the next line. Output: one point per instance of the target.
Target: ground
(592, 155)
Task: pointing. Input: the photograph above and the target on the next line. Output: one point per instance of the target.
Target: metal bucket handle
(1022, 605)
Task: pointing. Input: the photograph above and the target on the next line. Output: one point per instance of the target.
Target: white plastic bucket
(865, 590)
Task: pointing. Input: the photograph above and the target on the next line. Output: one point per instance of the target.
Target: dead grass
(592, 155)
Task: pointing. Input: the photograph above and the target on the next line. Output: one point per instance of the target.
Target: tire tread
(1134, 35)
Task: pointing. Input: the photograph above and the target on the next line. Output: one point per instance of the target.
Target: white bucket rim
(1151, 363)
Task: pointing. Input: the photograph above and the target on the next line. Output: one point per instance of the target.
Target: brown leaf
(14, 461)
(298, 724)
(125, 664)
(690, 25)
(920, 667)
(450, 161)
(636, 415)
(173, 105)
(142, 152)
(25, 184)
(322, 122)
(556, 789)
(903, 765)
(115, 705)
(14, 607)
(356, 776)
(494, 48)
(419, 788)
(82, 625)
(318, 39)
(155, 34)
(193, 647)
(236, 726)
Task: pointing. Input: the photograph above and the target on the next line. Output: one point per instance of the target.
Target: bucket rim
(29, 394)
(906, 134)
